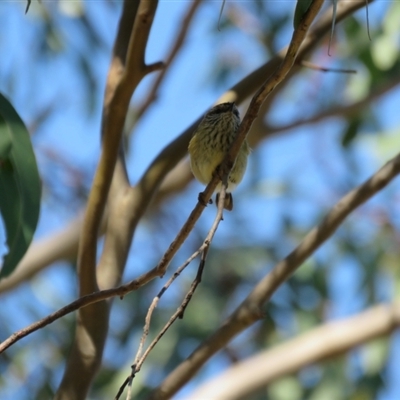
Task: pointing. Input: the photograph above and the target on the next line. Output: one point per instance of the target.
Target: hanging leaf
(20, 187)
(334, 9)
(301, 8)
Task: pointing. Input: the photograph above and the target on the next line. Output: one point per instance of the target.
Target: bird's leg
(223, 170)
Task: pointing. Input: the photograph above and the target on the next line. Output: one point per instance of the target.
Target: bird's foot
(202, 200)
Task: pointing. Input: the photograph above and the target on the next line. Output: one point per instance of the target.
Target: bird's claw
(202, 201)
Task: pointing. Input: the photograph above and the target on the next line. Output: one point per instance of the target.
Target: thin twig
(342, 110)
(139, 360)
(367, 16)
(178, 313)
(252, 112)
(175, 48)
(122, 388)
(310, 65)
(220, 14)
(204, 250)
(130, 380)
(156, 299)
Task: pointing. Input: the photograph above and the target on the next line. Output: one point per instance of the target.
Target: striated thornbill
(210, 144)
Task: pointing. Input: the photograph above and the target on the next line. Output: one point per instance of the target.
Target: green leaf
(5, 146)
(301, 8)
(20, 186)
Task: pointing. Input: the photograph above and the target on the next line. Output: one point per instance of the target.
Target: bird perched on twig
(210, 144)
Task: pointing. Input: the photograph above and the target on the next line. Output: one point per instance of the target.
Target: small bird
(210, 144)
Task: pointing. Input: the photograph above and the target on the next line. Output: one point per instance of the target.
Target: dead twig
(179, 313)
(175, 48)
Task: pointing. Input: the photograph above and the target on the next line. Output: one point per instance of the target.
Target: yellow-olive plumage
(210, 144)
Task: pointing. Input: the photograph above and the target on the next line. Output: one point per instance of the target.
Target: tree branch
(60, 245)
(124, 76)
(177, 45)
(127, 68)
(326, 341)
(337, 111)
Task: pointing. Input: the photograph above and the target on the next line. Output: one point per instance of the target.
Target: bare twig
(139, 360)
(179, 312)
(220, 13)
(329, 340)
(251, 309)
(177, 45)
(337, 111)
(310, 65)
(203, 250)
(122, 388)
(367, 16)
(130, 380)
(156, 299)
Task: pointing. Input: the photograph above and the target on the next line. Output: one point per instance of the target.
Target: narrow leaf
(20, 187)
(334, 9)
(302, 7)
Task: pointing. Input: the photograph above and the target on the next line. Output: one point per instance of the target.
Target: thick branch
(123, 78)
(60, 245)
(326, 341)
(127, 69)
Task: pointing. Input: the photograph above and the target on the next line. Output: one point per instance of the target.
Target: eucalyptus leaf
(20, 187)
(302, 7)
